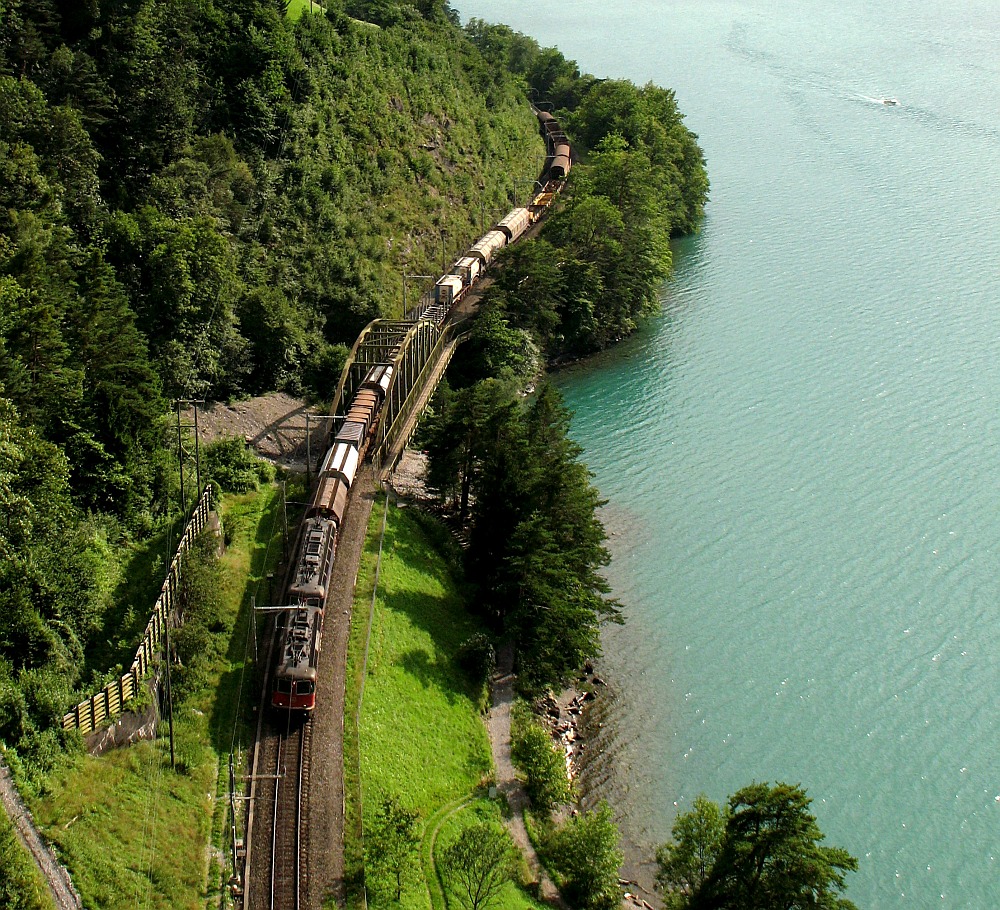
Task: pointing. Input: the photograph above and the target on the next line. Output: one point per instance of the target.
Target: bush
(477, 658)
(322, 369)
(537, 758)
(234, 467)
(584, 851)
(202, 637)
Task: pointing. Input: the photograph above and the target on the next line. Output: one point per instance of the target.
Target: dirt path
(507, 782)
(54, 873)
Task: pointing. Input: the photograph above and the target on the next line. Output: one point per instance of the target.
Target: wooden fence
(89, 714)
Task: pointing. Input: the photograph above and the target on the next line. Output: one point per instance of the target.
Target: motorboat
(890, 101)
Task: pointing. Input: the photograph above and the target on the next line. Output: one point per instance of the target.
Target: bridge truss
(417, 350)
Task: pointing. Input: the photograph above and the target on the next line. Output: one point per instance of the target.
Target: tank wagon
(294, 679)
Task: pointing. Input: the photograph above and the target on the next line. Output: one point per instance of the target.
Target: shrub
(477, 657)
(537, 758)
(584, 851)
(198, 642)
(391, 842)
(234, 467)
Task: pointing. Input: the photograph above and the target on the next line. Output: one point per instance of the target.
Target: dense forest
(209, 200)
(199, 200)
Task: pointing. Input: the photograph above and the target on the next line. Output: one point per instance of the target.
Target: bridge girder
(408, 346)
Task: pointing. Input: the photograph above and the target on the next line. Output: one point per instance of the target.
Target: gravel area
(54, 873)
(409, 479)
(326, 791)
(273, 425)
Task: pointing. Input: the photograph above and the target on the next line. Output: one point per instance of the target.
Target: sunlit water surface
(800, 454)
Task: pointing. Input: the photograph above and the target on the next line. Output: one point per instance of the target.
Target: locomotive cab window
(305, 687)
(283, 685)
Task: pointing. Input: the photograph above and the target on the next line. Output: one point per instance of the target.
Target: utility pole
(284, 518)
(170, 695)
(180, 453)
(197, 447)
(253, 620)
(406, 278)
(192, 402)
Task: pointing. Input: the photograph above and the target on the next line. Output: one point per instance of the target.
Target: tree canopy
(478, 863)
(764, 852)
(536, 545)
(391, 845)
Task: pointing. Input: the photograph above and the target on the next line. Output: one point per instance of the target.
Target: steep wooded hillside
(199, 199)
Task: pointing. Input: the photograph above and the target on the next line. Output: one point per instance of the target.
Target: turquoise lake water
(801, 452)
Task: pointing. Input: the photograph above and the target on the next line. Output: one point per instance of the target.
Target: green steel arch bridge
(420, 349)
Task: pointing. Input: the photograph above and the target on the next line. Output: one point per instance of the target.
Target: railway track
(280, 874)
(277, 878)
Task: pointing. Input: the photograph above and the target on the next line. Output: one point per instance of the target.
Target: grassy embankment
(422, 737)
(131, 830)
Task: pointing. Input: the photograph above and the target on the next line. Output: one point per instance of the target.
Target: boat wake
(887, 101)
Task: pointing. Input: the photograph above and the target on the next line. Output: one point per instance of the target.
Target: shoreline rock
(575, 718)
(564, 715)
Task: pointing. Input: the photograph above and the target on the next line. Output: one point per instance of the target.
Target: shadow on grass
(441, 616)
(432, 674)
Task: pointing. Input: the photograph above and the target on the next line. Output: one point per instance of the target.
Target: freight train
(467, 270)
(294, 678)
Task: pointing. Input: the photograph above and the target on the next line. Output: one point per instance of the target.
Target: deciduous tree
(685, 861)
(478, 863)
(391, 842)
(769, 857)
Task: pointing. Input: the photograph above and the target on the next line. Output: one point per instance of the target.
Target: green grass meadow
(297, 7)
(422, 736)
(132, 831)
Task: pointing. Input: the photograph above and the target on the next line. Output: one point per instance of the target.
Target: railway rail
(280, 874)
(289, 867)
